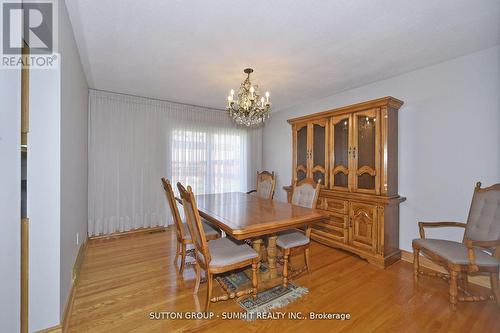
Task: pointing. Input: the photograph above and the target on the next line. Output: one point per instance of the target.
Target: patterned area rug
(274, 298)
(237, 278)
(267, 300)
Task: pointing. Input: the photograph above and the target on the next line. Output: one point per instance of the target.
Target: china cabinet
(353, 150)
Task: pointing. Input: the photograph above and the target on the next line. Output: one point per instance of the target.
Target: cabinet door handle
(354, 152)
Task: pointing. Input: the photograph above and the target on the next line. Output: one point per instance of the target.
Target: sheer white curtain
(134, 141)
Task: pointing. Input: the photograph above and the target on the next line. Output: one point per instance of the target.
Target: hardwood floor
(124, 279)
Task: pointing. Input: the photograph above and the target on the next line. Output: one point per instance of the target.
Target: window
(210, 161)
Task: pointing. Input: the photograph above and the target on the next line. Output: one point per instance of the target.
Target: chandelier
(249, 109)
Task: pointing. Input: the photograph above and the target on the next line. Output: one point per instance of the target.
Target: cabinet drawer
(335, 205)
(328, 235)
(334, 228)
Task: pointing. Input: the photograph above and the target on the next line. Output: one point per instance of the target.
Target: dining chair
(182, 229)
(305, 193)
(478, 252)
(266, 183)
(217, 256)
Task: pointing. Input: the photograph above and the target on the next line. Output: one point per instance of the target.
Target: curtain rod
(157, 99)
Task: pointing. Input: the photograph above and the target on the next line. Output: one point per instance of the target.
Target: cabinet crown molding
(388, 101)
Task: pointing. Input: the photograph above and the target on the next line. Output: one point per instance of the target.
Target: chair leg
(198, 278)
(453, 289)
(183, 258)
(464, 281)
(306, 259)
(416, 262)
(286, 254)
(254, 278)
(209, 290)
(177, 251)
(495, 288)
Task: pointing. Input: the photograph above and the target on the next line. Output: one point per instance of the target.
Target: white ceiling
(195, 51)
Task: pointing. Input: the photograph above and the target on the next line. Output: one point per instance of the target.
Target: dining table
(248, 217)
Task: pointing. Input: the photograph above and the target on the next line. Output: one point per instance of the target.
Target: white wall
(74, 118)
(57, 178)
(44, 198)
(10, 198)
(449, 137)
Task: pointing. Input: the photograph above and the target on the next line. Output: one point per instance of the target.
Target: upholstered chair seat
(291, 238)
(225, 252)
(455, 252)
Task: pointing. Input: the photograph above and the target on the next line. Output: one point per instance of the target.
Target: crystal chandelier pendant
(249, 108)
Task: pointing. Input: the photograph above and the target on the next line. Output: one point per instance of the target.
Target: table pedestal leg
(257, 244)
(271, 255)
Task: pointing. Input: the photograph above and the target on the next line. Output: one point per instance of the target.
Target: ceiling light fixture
(249, 109)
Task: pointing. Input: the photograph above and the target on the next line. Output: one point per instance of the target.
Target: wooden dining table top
(244, 216)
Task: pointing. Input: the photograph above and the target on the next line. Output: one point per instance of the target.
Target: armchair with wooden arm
(482, 232)
(266, 183)
(422, 225)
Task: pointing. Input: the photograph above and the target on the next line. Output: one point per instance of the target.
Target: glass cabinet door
(319, 147)
(365, 151)
(300, 133)
(341, 142)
